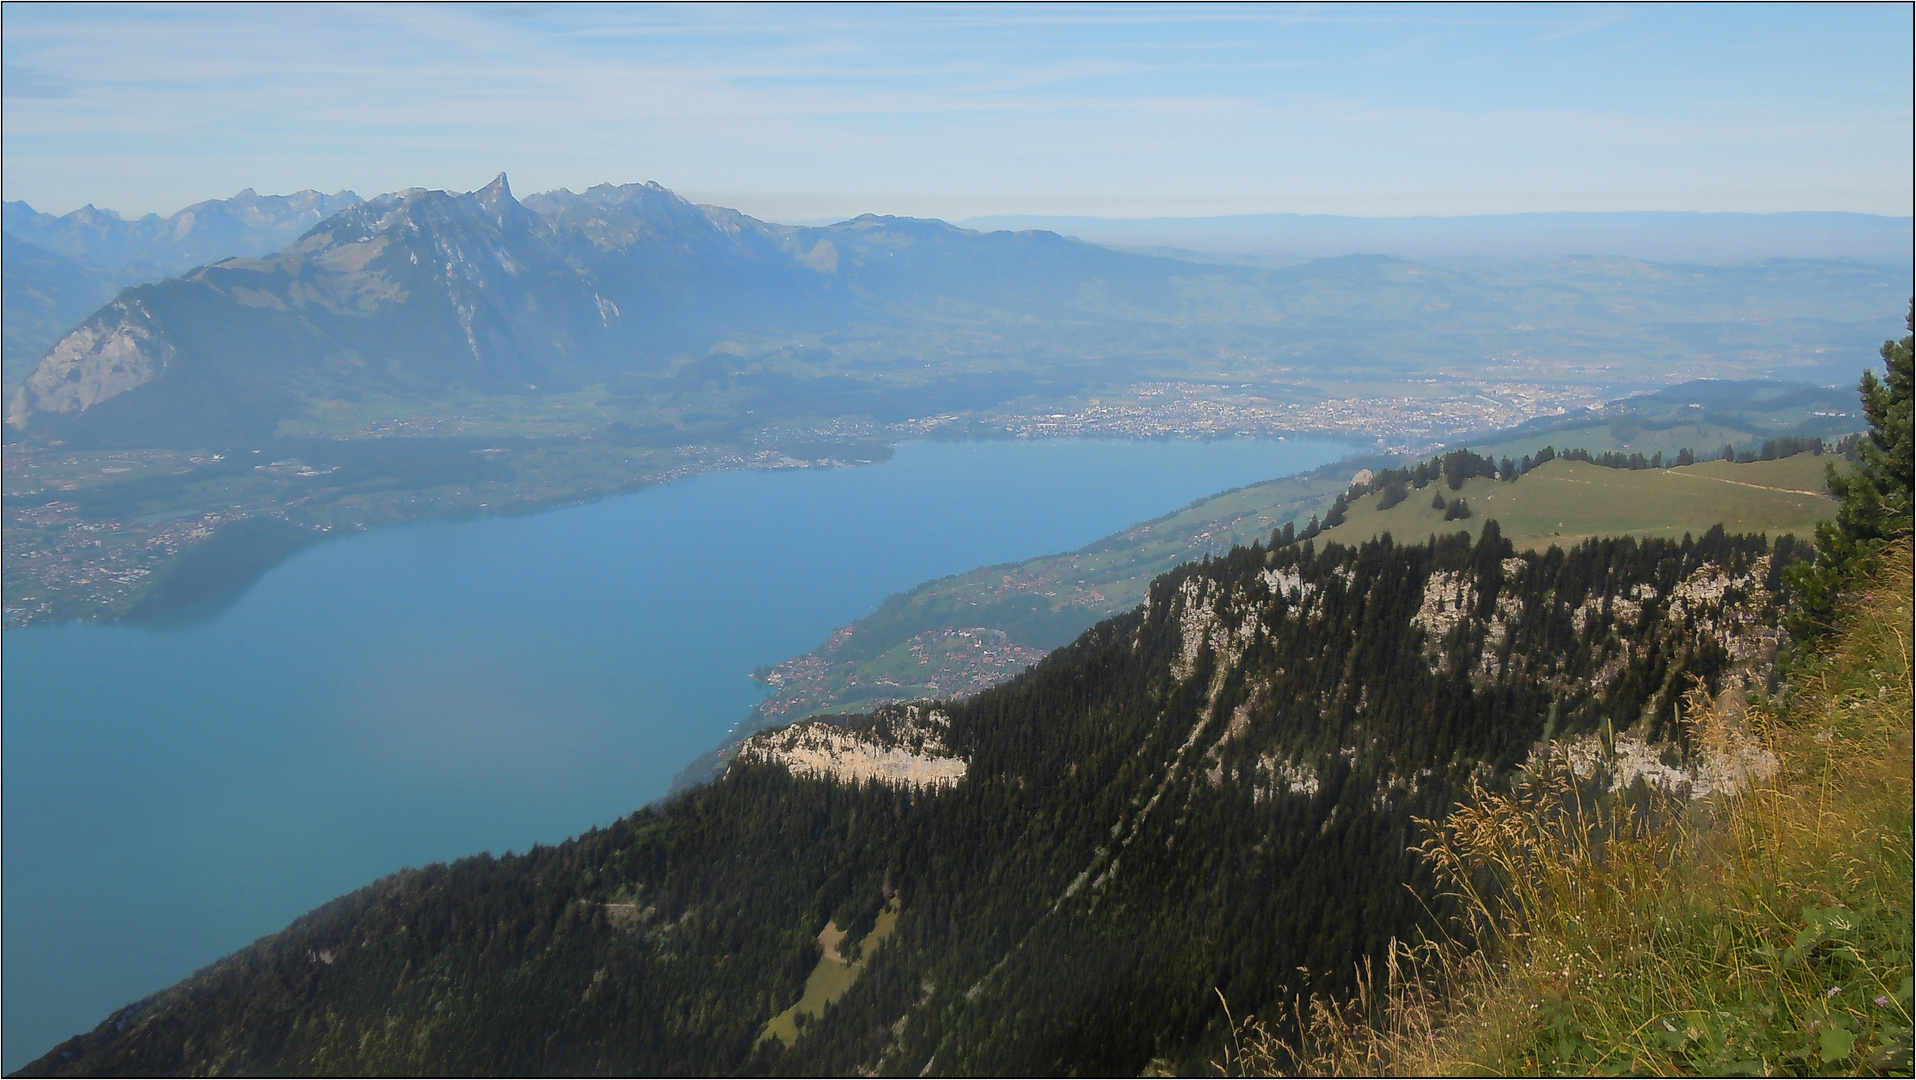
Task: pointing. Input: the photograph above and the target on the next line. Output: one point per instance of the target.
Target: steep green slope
(1211, 792)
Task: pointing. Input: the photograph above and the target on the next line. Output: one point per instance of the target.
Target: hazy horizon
(793, 114)
(983, 221)
(1670, 236)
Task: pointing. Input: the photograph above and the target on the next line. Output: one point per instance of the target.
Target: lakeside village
(62, 563)
(1401, 424)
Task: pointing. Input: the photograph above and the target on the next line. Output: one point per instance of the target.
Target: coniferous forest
(1263, 544)
(1214, 794)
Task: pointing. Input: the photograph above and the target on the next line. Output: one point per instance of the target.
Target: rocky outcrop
(902, 747)
(119, 349)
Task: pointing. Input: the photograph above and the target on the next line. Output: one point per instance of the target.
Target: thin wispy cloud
(1580, 27)
(956, 110)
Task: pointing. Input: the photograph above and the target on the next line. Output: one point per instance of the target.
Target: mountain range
(61, 268)
(153, 246)
(425, 290)
(669, 315)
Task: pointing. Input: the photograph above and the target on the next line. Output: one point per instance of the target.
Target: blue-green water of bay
(418, 693)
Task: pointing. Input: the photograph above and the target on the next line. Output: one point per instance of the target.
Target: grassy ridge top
(1563, 502)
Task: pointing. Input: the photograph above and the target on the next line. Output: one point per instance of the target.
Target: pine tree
(1875, 494)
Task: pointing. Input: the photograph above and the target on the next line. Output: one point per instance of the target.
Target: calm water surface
(420, 693)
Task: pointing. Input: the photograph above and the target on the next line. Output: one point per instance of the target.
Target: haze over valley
(427, 353)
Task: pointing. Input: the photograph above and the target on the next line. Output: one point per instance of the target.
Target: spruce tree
(1874, 492)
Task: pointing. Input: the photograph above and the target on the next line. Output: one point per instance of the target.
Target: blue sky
(799, 112)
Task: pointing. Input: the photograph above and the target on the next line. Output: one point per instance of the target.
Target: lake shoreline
(397, 697)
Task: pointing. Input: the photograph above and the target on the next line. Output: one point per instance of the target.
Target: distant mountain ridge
(708, 324)
(1653, 235)
(246, 224)
(426, 290)
(45, 294)
(61, 268)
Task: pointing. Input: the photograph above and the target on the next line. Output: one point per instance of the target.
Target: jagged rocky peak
(253, 210)
(650, 194)
(422, 208)
(426, 212)
(499, 205)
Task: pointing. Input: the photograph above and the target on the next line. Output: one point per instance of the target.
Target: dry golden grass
(1763, 933)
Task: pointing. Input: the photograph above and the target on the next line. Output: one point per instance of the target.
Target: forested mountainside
(1215, 792)
(958, 635)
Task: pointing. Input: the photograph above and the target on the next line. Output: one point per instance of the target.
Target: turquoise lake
(418, 693)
